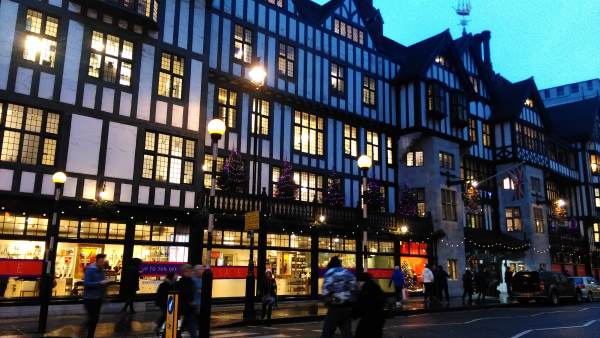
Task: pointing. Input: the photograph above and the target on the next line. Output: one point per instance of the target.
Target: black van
(543, 286)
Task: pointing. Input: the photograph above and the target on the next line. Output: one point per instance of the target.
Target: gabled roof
(509, 98)
(575, 121)
(420, 56)
(315, 13)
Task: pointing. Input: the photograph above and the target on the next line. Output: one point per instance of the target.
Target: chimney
(485, 39)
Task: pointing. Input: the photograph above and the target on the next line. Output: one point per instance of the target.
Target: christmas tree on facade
(286, 186)
(333, 196)
(373, 196)
(407, 206)
(233, 175)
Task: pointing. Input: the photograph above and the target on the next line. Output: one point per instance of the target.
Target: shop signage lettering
(160, 268)
(20, 267)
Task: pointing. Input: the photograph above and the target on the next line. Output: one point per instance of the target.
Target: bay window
(436, 100)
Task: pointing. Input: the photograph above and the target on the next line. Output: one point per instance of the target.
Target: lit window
(350, 141)
(594, 164)
(110, 58)
(147, 8)
(420, 199)
(278, 3)
(596, 233)
(508, 184)
(93, 229)
(448, 205)
(513, 219)
(338, 82)
(207, 168)
(286, 60)
(414, 159)
(486, 135)
(529, 103)
(369, 91)
(308, 133)
(446, 161)
(475, 83)
(168, 158)
(436, 99)
(441, 60)
(310, 186)
(390, 151)
(373, 145)
(29, 135)
(227, 106)
(40, 38)
(538, 219)
(242, 44)
(473, 130)
(348, 31)
(597, 197)
(260, 117)
(453, 269)
(170, 78)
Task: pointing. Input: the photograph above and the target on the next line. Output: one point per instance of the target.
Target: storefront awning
(493, 240)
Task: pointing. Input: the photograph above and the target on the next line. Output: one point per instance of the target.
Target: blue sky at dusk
(556, 41)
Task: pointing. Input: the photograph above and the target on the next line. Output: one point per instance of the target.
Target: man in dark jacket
(398, 280)
(94, 284)
(441, 278)
(161, 299)
(187, 295)
(508, 276)
(130, 283)
(370, 309)
(467, 281)
(482, 284)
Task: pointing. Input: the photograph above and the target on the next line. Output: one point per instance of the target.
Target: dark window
(475, 83)
(560, 91)
(574, 88)
(436, 99)
(538, 219)
(111, 58)
(242, 44)
(513, 219)
(338, 82)
(446, 160)
(40, 38)
(170, 78)
(29, 135)
(536, 185)
(286, 60)
(227, 106)
(546, 93)
(590, 84)
(459, 107)
(448, 205)
(168, 158)
(369, 91)
(420, 197)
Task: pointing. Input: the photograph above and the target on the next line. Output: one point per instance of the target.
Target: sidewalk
(141, 324)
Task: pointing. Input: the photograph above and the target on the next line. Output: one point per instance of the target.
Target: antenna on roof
(463, 9)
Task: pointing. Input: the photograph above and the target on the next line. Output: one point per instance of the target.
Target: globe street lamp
(59, 178)
(216, 129)
(364, 163)
(257, 74)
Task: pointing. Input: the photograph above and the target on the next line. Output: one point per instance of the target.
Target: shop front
(413, 259)
(380, 262)
(333, 245)
(289, 258)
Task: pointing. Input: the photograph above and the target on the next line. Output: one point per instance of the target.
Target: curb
(389, 314)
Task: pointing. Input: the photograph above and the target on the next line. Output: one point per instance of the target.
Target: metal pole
(207, 277)
(365, 232)
(249, 312)
(48, 264)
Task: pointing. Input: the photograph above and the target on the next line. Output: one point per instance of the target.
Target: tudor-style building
(118, 93)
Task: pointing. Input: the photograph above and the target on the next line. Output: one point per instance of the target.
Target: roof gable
(510, 99)
(576, 121)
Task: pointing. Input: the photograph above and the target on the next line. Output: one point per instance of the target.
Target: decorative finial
(463, 9)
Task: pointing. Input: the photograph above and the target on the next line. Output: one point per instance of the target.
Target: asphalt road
(572, 321)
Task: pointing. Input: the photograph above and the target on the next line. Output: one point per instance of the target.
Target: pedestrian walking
(130, 283)
(94, 284)
(467, 281)
(429, 288)
(441, 277)
(162, 294)
(268, 293)
(187, 300)
(369, 308)
(339, 288)
(482, 284)
(398, 280)
(508, 276)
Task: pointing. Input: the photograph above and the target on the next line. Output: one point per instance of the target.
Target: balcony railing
(312, 213)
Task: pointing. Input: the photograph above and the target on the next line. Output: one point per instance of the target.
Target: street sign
(252, 220)
(172, 315)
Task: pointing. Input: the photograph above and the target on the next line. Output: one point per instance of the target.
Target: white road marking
(521, 334)
(273, 336)
(316, 330)
(236, 334)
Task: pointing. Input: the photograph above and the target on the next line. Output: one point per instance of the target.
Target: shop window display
(348, 262)
(73, 258)
(20, 268)
(291, 270)
(413, 271)
(157, 261)
(230, 267)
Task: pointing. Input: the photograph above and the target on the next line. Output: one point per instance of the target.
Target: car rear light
(542, 287)
(582, 286)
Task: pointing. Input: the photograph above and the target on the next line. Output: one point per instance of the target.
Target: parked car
(588, 286)
(544, 286)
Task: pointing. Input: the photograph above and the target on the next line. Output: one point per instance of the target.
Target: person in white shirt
(428, 280)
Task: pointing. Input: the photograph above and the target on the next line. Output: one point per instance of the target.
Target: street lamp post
(216, 129)
(364, 163)
(257, 75)
(59, 178)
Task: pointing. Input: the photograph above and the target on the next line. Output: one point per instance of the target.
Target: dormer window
(460, 109)
(348, 31)
(436, 100)
(441, 60)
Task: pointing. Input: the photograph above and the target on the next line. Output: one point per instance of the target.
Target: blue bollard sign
(172, 315)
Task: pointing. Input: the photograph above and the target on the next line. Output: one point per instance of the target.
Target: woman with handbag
(269, 295)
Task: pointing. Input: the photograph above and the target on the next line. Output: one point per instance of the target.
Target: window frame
(156, 153)
(486, 134)
(287, 60)
(353, 31)
(119, 58)
(172, 75)
(224, 109)
(449, 205)
(459, 108)
(244, 44)
(538, 219)
(369, 95)
(446, 161)
(337, 79)
(42, 35)
(595, 164)
(372, 145)
(412, 158)
(436, 99)
(350, 141)
(515, 220)
(389, 150)
(473, 130)
(303, 122)
(263, 117)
